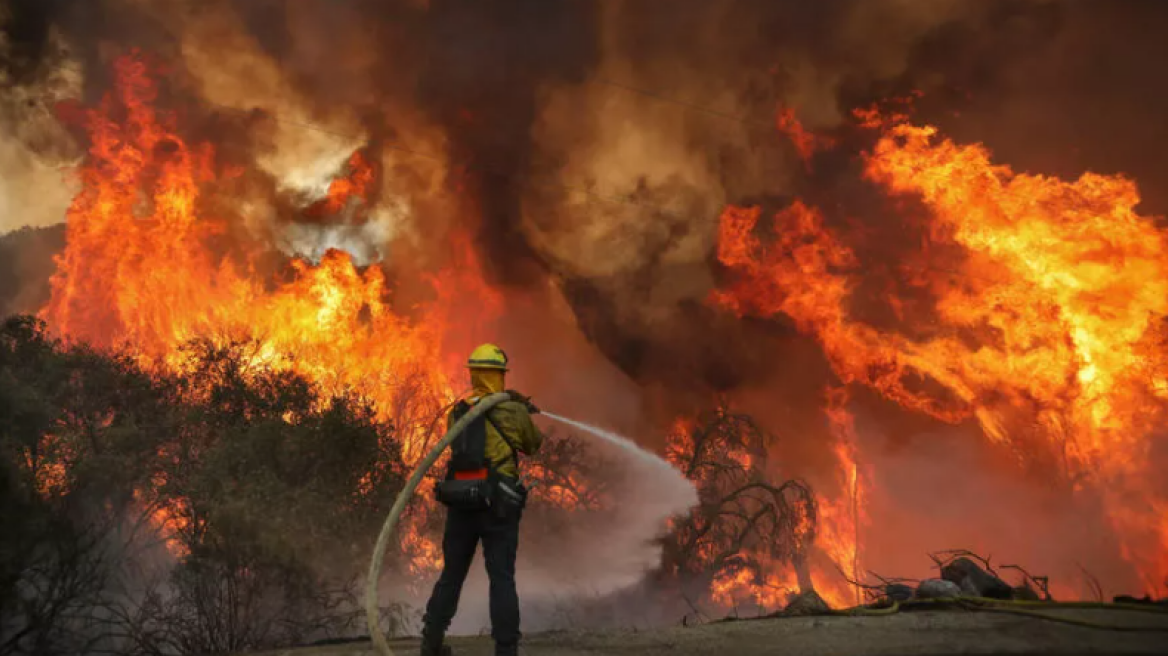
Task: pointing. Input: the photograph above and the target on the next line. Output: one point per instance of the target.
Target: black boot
(506, 649)
(432, 644)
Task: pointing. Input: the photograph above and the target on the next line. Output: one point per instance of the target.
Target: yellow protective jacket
(511, 417)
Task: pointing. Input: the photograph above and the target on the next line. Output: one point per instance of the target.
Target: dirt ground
(921, 633)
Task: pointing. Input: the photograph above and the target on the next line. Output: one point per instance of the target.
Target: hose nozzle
(525, 400)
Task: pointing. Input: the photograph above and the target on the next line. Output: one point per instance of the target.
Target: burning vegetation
(274, 263)
(1038, 313)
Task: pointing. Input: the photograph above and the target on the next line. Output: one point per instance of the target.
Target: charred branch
(743, 522)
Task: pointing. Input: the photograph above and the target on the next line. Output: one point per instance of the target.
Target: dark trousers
(500, 537)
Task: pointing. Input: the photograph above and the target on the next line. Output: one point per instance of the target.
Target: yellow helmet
(487, 356)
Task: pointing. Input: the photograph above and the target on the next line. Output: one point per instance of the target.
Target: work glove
(525, 400)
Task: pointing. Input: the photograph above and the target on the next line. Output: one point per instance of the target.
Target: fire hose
(373, 617)
(1017, 607)
(372, 612)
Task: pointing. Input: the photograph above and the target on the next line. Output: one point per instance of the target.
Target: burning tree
(1035, 310)
(246, 488)
(746, 529)
(263, 490)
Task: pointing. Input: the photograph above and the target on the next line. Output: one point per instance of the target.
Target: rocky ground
(918, 633)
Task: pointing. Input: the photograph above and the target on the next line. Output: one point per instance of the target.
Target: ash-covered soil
(921, 633)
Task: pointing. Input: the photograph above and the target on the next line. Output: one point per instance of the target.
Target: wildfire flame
(804, 141)
(725, 458)
(356, 185)
(1046, 328)
(842, 517)
(143, 266)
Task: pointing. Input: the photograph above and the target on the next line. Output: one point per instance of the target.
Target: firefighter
(484, 500)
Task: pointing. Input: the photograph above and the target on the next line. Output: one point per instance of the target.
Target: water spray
(647, 458)
(372, 614)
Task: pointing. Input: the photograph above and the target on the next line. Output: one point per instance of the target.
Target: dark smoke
(25, 33)
(532, 101)
(1051, 87)
(1057, 88)
(530, 104)
(485, 65)
(473, 68)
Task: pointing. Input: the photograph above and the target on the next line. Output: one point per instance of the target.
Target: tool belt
(502, 495)
(465, 495)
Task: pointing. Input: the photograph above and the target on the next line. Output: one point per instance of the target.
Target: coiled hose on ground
(372, 612)
(1018, 607)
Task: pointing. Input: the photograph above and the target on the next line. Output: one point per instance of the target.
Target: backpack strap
(468, 451)
(506, 440)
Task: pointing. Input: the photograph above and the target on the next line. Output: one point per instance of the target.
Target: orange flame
(841, 516)
(141, 267)
(355, 185)
(804, 141)
(1047, 330)
(755, 573)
